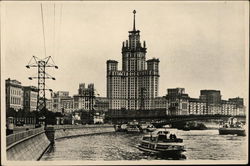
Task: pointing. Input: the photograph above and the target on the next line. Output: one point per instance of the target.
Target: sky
(200, 45)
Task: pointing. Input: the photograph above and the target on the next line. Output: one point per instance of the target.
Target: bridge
(160, 117)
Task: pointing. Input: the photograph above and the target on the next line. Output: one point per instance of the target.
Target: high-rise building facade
(136, 85)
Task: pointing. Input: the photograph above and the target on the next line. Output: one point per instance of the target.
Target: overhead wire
(54, 34)
(59, 33)
(43, 30)
(44, 37)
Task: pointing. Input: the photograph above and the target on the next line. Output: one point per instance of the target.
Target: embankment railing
(13, 138)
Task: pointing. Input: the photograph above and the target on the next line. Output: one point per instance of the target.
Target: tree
(11, 112)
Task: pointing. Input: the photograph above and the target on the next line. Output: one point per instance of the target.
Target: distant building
(238, 101)
(209, 103)
(210, 96)
(177, 101)
(60, 102)
(30, 98)
(228, 108)
(240, 108)
(67, 105)
(214, 109)
(98, 118)
(85, 99)
(136, 85)
(213, 101)
(101, 104)
(175, 91)
(49, 104)
(160, 103)
(14, 94)
(197, 107)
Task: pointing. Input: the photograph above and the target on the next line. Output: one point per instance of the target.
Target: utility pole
(41, 65)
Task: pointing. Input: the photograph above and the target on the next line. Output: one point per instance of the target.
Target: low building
(14, 94)
(76, 118)
(98, 118)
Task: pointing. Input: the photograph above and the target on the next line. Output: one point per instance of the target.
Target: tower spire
(134, 20)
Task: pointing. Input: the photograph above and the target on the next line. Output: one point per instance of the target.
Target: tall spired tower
(136, 85)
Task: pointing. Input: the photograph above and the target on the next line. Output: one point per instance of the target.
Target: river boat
(120, 127)
(186, 126)
(232, 126)
(167, 126)
(162, 143)
(147, 127)
(194, 126)
(133, 127)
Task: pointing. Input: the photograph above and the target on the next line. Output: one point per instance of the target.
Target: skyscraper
(136, 85)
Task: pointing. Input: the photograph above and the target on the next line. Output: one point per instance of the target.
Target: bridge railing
(13, 138)
(57, 127)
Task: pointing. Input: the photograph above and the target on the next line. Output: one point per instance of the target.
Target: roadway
(18, 129)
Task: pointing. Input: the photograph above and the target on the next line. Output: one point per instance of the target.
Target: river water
(199, 144)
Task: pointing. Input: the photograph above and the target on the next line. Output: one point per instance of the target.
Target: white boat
(120, 127)
(162, 143)
(232, 126)
(148, 128)
(133, 127)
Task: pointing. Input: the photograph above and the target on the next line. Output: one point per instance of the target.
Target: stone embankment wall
(33, 144)
(83, 130)
(29, 149)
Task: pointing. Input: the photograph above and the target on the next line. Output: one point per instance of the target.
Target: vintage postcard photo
(124, 82)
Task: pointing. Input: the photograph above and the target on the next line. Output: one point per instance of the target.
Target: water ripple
(200, 145)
